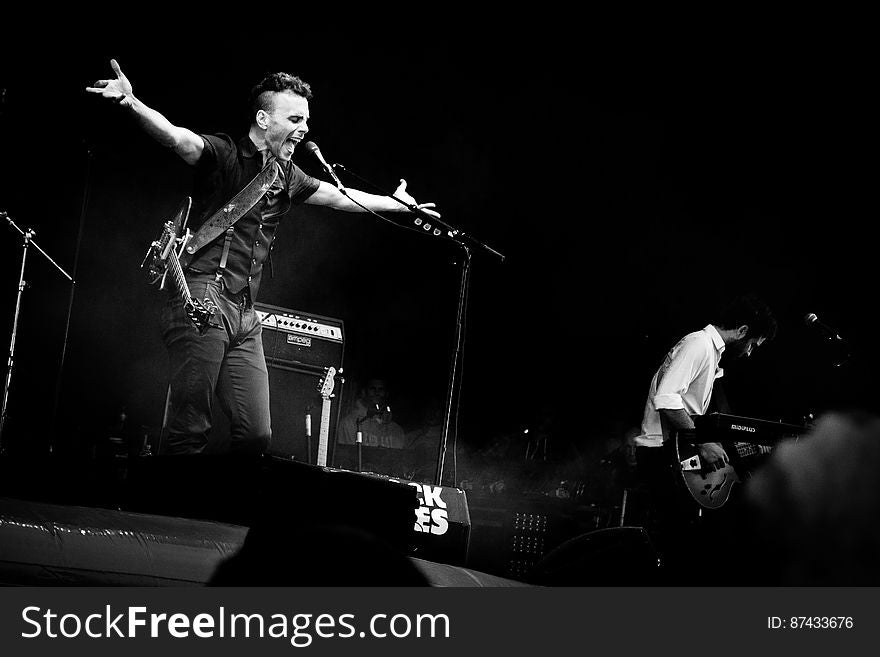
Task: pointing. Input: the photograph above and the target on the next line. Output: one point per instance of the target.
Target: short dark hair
(261, 93)
(748, 309)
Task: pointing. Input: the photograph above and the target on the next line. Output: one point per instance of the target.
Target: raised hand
(404, 196)
(118, 90)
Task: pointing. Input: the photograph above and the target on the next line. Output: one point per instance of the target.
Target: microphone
(812, 319)
(312, 147)
(374, 411)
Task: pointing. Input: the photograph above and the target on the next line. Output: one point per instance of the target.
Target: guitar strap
(224, 219)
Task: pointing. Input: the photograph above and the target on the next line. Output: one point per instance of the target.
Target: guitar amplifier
(301, 340)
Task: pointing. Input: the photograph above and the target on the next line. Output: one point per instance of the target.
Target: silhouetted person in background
(372, 416)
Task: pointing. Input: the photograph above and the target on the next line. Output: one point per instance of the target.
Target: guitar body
(164, 270)
(711, 489)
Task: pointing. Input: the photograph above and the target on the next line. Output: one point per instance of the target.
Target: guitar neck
(324, 433)
(178, 277)
(746, 449)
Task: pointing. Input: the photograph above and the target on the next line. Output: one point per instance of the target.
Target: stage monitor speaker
(441, 527)
(281, 495)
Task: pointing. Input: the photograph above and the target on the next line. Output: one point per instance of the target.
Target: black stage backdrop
(631, 191)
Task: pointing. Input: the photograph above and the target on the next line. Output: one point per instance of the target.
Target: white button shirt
(684, 381)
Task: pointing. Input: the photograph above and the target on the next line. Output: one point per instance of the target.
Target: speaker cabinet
(293, 394)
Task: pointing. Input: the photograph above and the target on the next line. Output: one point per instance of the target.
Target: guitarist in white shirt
(682, 387)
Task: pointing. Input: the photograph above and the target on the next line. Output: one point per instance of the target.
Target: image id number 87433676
(810, 623)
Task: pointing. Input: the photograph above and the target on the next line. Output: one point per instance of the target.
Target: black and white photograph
(506, 305)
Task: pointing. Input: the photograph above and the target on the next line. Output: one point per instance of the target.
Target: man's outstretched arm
(328, 195)
(187, 144)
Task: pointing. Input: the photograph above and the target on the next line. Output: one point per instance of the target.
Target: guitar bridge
(200, 314)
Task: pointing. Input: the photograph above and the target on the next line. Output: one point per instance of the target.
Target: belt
(242, 297)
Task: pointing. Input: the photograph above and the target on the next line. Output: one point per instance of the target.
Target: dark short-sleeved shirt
(223, 170)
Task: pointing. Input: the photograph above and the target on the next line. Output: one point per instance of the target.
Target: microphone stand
(28, 236)
(429, 223)
(359, 439)
(309, 434)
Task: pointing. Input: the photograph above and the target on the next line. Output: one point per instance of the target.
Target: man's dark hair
(751, 311)
(261, 94)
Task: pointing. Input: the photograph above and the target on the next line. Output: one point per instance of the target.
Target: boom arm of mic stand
(29, 236)
(453, 233)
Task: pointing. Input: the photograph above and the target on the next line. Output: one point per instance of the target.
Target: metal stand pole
(28, 236)
(359, 439)
(453, 391)
(309, 435)
(426, 222)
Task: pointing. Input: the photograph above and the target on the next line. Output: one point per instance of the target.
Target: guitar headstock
(182, 216)
(328, 382)
(156, 260)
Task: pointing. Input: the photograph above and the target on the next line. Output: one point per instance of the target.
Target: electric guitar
(711, 488)
(163, 261)
(325, 388)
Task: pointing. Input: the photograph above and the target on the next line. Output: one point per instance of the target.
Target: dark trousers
(697, 548)
(670, 517)
(227, 360)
